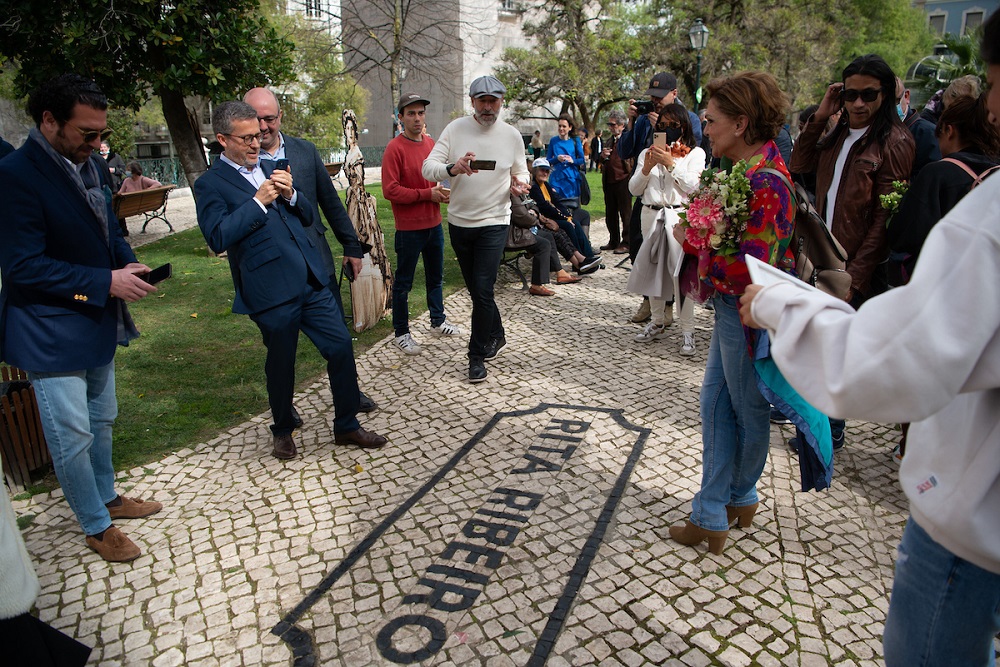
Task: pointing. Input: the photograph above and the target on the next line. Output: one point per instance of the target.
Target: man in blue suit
(67, 275)
(312, 180)
(252, 211)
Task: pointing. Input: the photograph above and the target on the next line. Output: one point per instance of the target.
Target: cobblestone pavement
(520, 521)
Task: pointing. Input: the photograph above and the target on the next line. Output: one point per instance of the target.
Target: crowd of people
(913, 340)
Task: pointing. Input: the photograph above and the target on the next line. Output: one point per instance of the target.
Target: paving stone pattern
(244, 538)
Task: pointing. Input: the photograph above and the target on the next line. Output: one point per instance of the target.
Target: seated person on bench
(137, 181)
(572, 222)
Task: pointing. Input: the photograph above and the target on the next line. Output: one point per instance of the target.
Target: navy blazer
(270, 254)
(56, 312)
(313, 180)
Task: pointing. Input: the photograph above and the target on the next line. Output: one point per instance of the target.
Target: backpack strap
(976, 178)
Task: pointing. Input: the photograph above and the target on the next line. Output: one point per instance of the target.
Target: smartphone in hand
(483, 165)
(158, 274)
(281, 165)
(660, 139)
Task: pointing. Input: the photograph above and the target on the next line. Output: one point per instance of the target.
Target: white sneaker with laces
(407, 344)
(687, 347)
(651, 332)
(446, 328)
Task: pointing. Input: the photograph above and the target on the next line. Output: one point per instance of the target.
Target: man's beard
(483, 119)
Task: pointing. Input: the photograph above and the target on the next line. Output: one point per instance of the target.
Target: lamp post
(698, 34)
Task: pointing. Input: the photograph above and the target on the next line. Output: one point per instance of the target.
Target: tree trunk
(185, 136)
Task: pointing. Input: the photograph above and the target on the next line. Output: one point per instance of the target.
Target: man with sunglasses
(854, 164)
(68, 274)
(252, 211)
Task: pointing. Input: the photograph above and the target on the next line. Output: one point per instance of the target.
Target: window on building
(972, 19)
(936, 23)
(314, 8)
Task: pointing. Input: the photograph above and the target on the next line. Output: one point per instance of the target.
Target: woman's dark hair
(874, 66)
(755, 95)
(677, 112)
(970, 118)
(135, 168)
(989, 49)
(61, 94)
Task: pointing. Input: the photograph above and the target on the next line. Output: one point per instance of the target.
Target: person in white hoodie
(483, 159)
(927, 353)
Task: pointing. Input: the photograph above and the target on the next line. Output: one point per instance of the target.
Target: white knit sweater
(18, 583)
(483, 198)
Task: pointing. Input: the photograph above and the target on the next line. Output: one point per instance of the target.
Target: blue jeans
(77, 410)
(734, 422)
(577, 235)
(944, 611)
(410, 245)
(479, 251)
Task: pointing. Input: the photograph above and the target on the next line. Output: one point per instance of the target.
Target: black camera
(643, 107)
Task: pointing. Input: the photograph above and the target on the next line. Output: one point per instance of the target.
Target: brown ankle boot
(690, 535)
(743, 516)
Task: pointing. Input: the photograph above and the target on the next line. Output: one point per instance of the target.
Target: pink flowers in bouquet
(718, 212)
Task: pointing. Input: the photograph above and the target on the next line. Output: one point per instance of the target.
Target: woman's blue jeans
(734, 422)
(78, 409)
(944, 611)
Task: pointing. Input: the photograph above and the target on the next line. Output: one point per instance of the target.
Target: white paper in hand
(764, 274)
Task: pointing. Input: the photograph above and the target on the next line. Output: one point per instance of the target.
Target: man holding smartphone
(255, 214)
(479, 208)
(68, 274)
(313, 181)
(416, 208)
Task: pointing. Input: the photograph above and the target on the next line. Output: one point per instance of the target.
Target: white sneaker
(407, 344)
(687, 347)
(446, 328)
(651, 332)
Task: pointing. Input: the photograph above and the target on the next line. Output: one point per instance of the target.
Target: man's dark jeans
(410, 245)
(479, 251)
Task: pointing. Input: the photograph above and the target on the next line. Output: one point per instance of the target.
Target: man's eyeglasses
(90, 135)
(267, 119)
(247, 139)
(866, 95)
(612, 124)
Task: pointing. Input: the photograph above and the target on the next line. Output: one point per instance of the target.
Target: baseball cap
(407, 99)
(661, 84)
(487, 85)
(541, 163)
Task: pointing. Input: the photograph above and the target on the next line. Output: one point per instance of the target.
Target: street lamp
(698, 34)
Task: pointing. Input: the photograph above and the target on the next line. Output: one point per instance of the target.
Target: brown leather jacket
(859, 219)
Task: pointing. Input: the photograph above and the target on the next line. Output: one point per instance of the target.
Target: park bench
(333, 168)
(512, 260)
(152, 203)
(22, 442)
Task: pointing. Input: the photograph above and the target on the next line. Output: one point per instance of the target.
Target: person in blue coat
(565, 155)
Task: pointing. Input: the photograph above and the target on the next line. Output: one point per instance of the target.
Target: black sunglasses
(866, 95)
(90, 135)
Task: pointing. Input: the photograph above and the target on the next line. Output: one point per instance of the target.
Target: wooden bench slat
(151, 202)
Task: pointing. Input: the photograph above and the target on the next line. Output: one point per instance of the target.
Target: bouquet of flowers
(718, 211)
(890, 202)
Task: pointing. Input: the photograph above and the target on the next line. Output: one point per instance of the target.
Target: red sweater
(404, 186)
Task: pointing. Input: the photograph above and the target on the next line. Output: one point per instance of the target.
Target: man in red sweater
(416, 206)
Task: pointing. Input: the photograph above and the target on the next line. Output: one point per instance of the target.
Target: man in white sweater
(927, 353)
(482, 158)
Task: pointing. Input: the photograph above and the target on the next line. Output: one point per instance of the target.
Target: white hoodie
(927, 353)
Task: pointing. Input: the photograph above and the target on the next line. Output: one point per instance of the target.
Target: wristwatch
(449, 168)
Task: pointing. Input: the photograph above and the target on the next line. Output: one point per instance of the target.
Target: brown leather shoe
(284, 447)
(115, 547)
(360, 438)
(134, 508)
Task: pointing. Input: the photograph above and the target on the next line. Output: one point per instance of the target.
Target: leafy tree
(137, 48)
(587, 57)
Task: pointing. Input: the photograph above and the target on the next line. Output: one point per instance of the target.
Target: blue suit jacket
(271, 256)
(313, 180)
(56, 313)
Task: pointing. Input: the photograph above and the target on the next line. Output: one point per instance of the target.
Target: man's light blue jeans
(944, 611)
(735, 430)
(77, 410)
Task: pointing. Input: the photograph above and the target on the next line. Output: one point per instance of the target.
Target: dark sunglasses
(866, 95)
(90, 135)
